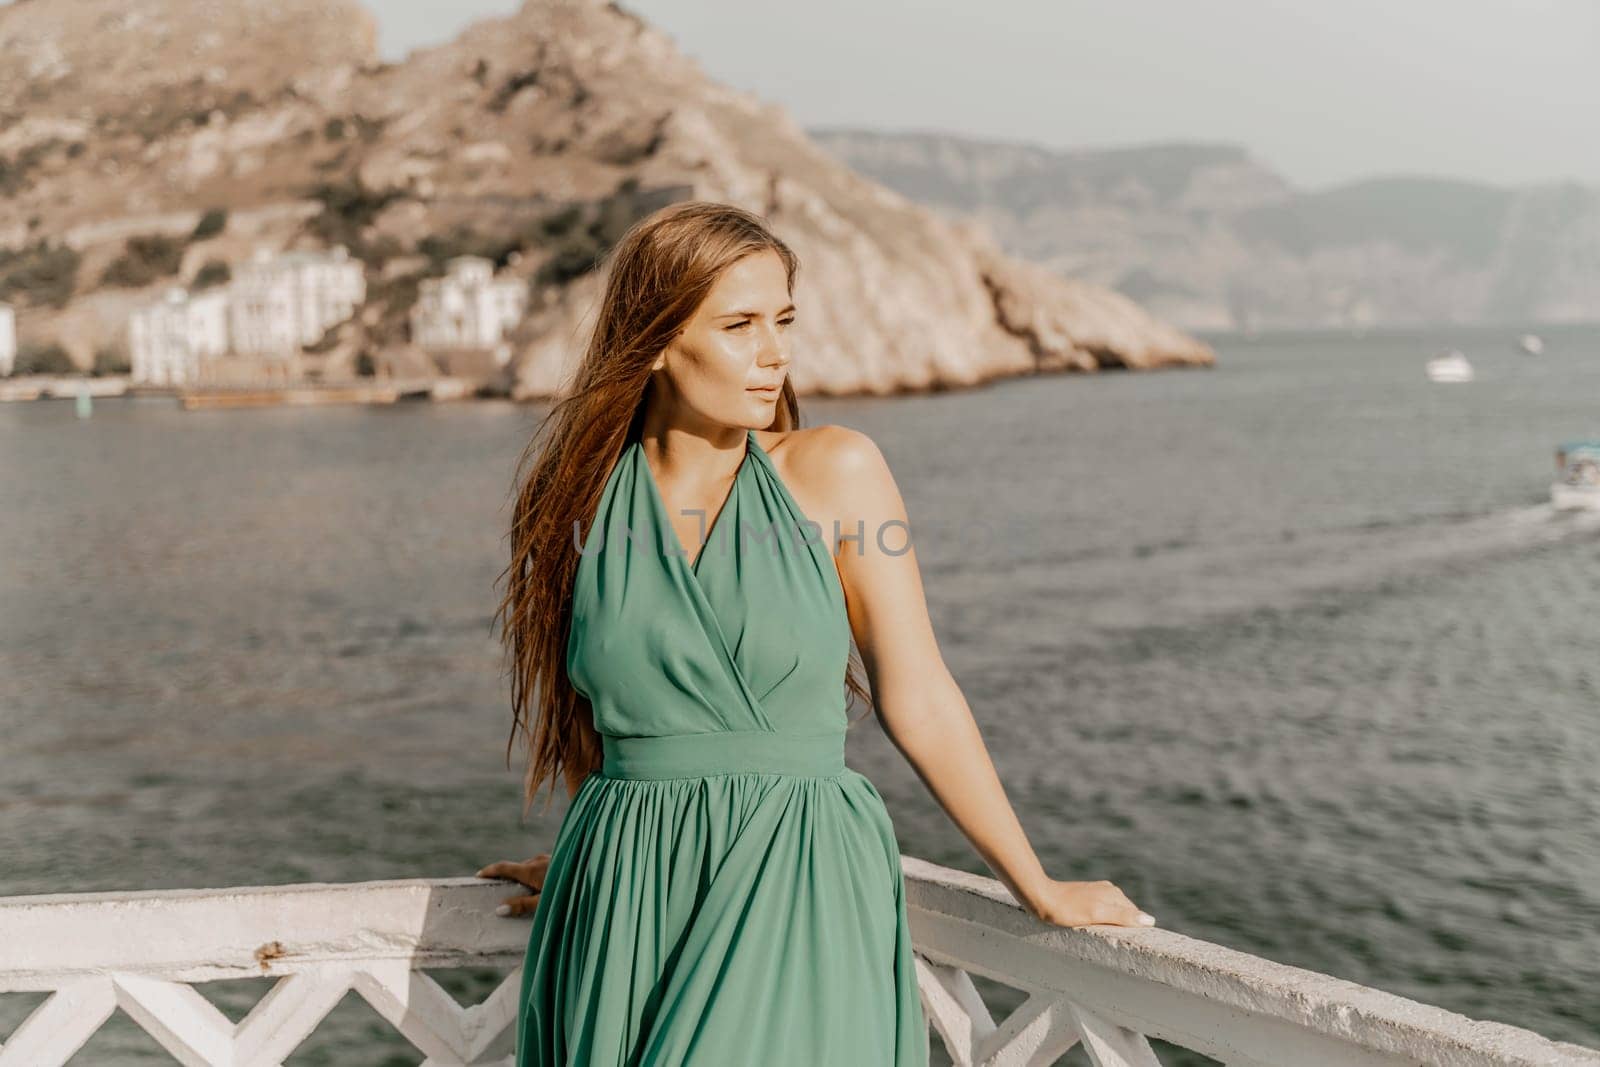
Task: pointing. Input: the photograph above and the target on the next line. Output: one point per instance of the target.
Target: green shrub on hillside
(583, 234)
(16, 172)
(348, 208)
(110, 359)
(213, 272)
(145, 258)
(33, 358)
(464, 240)
(42, 273)
(211, 223)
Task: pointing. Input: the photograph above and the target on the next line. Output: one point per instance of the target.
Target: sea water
(1293, 650)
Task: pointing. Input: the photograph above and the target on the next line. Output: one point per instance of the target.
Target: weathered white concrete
(1107, 987)
(1232, 1006)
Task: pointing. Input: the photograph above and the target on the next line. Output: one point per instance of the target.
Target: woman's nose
(774, 347)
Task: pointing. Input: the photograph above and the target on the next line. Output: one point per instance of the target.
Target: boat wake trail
(1204, 583)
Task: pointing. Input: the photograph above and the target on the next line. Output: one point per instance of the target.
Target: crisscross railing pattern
(1107, 990)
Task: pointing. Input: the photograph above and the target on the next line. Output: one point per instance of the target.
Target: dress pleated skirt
(721, 920)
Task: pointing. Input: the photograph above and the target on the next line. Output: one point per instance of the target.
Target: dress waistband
(723, 752)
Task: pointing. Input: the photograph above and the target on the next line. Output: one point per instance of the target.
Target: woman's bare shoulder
(824, 456)
(835, 473)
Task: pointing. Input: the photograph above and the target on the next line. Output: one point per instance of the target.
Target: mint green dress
(724, 891)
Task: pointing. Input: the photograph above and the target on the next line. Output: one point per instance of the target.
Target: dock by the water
(203, 397)
(61, 387)
(379, 391)
(1108, 990)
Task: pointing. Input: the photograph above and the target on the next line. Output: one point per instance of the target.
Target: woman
(722, 889)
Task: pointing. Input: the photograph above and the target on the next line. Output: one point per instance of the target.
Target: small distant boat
(1532, 344)
(24, 390)
(1577, 482)
(1450, 367)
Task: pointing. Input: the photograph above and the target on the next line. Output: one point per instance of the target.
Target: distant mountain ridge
(1209, 237)
(152, 143)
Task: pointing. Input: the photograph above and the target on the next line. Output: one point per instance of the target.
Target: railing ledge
(1108, 988)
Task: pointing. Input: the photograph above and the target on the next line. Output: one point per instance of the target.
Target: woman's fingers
(530, 872)
(1131, 915)
(518, 906)
(503, 869)
(1124, 912)
(1097, 903)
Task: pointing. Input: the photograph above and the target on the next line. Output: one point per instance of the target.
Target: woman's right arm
(921, 707)
(530, 873)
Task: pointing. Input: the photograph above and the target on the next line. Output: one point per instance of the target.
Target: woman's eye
(786, 322)
(740, 325)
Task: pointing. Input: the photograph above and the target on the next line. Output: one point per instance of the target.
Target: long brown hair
(657, 275)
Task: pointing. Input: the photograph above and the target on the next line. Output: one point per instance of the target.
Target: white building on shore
(277, 304)
(8, 340)
(169, 339)
(273, 307)
(468, 307)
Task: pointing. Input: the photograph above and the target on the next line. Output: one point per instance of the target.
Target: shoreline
(441, 389)
(353, 391)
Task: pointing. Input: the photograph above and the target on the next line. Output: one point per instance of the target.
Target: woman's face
(729, 362)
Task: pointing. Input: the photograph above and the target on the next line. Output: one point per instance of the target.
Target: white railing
(1107, 989)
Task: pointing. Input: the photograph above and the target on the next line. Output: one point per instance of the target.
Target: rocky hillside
(156, 142)
(1209, 237)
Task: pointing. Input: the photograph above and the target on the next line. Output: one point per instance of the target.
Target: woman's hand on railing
(529, 873)
(1085, 904)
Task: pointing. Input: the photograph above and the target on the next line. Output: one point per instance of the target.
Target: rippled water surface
(1292, 650)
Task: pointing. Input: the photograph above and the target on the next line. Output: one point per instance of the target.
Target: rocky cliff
(533, 139)
(1211, 238)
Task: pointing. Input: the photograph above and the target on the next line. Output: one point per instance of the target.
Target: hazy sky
(1500, 90)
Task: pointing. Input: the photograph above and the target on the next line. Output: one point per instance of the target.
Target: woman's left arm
(919, 704)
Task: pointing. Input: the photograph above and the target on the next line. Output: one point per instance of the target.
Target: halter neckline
(677, 550)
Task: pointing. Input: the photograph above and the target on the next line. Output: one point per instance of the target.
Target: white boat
(1532, 344)
(1577, 484)
(1450, 367)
